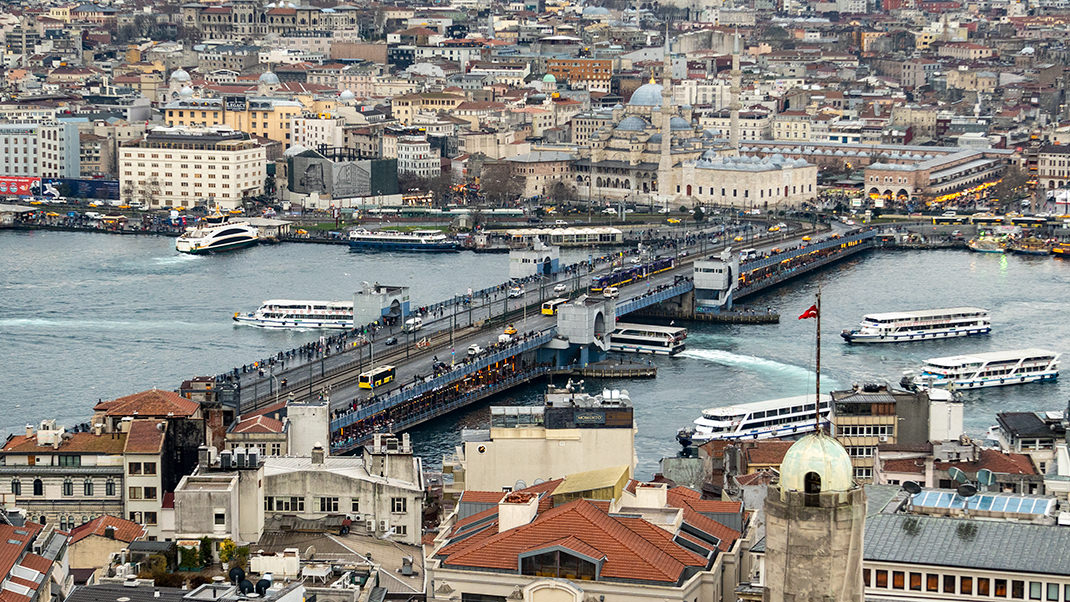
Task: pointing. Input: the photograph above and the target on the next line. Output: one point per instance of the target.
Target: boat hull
(371, 245)
(982, 383)
(859, 338)
(696, 437)
(1031, 251)
(248, 320)
(649, 350)
(223, 248)
(977, 250)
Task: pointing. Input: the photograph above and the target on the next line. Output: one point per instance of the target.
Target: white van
(610, 292)
(414, 324)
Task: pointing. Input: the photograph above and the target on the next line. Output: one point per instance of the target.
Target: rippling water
(88, 316)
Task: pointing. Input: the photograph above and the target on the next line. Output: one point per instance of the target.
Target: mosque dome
(632, 123)
(817, 453)
(185, 92)
(346, 95)
(269, 79)
(595, 11)
(180, 75)
(647, 95)
(549, 79)
(679, 123)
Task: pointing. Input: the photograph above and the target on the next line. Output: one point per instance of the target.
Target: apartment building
(44, 149)
(186, 166)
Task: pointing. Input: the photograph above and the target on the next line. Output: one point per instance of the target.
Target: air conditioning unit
(883, 438)
(370, 524)
(383, 526)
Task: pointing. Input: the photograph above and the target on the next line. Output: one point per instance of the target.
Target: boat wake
(175, 259)
(748, 362)
(45, 323)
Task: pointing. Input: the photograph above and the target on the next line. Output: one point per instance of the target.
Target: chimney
(109, 532)
(202, 456)
(98, 429)
(29, 431)
(516, 510)
(317, 453)
(651, 495)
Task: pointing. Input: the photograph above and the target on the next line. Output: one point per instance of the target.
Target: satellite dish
(986, 477)
(310, 553)
(912, 487)
(519, 485)
(967, 490)
(956, 474)
(539, 481)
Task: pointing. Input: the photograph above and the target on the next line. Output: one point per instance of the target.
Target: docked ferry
(993, 369)
(215, 234)
(771, 419)
(417, 240)
(920, 325)
(1061, 250)
(286, 313)
(647, 338)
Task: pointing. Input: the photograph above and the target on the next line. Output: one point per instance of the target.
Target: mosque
(652, 151)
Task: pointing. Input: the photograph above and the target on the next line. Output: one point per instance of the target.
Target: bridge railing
(654, 298)
(825, 244)
(457, 373)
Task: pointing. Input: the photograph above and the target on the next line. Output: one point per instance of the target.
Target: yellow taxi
(738, 239)
(806, 239)
(509, 330)
(774, 228)
(180, 208)
(235, 212)
(673, 220)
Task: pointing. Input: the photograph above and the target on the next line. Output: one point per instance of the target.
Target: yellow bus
(549, 308)
(376, 377)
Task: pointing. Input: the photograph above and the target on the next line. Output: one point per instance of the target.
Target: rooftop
(124, 530)
(153, 402)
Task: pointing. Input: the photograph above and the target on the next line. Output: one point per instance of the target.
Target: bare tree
(497, 183)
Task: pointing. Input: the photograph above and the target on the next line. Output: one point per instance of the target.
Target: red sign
(20, 186)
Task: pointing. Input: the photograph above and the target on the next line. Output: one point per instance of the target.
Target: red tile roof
(10, 553)
(692, 516)
(153, 402)
(125, 530)
(86, 443)
(37, 563)
(994, 460)
(258, 424)
(482, 497)
(146, 436)
(910, 465)
(766, 452)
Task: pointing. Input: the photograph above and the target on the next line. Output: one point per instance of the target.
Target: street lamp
(273, 377)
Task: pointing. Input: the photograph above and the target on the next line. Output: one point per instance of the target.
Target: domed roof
(347, 95)
(679, 123)
(594, 11)
(186, 92)
(820, 454)
(180, 75)
(647, 95)
(632, 123)
(549, 79)
(269, 78)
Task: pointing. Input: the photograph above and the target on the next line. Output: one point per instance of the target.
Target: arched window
(38, 487)
(68, 487)
(87, 487)
(812, 487)
(16, 486)
(109, 487)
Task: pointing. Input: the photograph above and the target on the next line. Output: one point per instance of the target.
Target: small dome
(646, 95)
(549, 79)
(679, 123)
(185, 92)
(268, 78)
(655, 139)
(632, 123)
(820, 454)
(180, 75)
(347, 95)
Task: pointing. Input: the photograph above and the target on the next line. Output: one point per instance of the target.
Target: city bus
(986, 220)
(549, 308)
(1028, 222)
(376, 377)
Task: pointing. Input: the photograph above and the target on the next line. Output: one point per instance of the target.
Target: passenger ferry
(215, 234)
(286, 313)
(417, 240)
(920, 325)
(986, 369)
(646, 338)
(771, 419)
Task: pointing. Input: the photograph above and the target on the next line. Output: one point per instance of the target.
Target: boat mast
(817, 378)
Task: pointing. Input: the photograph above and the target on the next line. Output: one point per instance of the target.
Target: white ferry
(286, 313)
(771, 419)
(646, 338)
(987, 369)
(417, 240)
(920, 325)
(215, 234)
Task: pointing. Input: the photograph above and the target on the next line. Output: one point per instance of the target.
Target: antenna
(957, 474)
(911, 487)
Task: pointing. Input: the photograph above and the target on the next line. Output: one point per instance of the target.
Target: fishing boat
(995, 369)
(770, 419)
(287, 313)
(986, 245)
(431, 241)
(920, 325)
(1030, 245)
(216, 234)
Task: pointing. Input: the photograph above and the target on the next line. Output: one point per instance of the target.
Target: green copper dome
(820, 454)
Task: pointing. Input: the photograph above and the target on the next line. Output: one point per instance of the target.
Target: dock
(616, 369)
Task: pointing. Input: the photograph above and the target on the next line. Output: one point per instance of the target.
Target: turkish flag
(810, 313)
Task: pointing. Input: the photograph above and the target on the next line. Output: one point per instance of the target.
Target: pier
(435, 373)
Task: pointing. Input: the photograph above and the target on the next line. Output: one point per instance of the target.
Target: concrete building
(773, 182)
(573, 432)
(815, 518)
(44, 149)
(223, 498)
(213, 167)
(1053, 167)
(540, 170)
(416, 157)
(92, 544)
(261, 116)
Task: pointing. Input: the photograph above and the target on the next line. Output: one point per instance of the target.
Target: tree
(1012, 187)
(560, 191)
(206, 551)
(497, 183)
(700, 215)
(409, 181)
(442, 186)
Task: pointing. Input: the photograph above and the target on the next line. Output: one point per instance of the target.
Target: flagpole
(817, 379)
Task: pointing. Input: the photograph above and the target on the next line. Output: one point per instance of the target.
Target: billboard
(19, 186)
(81, 188)
(235, 104)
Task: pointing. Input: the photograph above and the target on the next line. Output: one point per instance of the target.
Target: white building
(192, 166)
(416, 157)
(313, 130)
(46, 149)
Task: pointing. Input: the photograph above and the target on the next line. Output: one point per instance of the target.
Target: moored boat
(1031, 246)
(1061, 250)
(770, 419)
(986, 245)
(417, 240)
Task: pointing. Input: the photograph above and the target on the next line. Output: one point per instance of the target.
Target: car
(774, 228)
(950, 214)
(609, 211)
(806, 239)
(96, 204)
(510, 330)
(738, 239)
(560, 288)
(560, 222)
(682, 254)
(413, 324)
(610, 292)
(391, 341)
(673, 220)
(516, 292)
(474, 349)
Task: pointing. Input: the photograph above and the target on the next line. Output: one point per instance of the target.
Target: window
(882, 578)
(134, 493)
(915, 582)
(932, 583)
(38, 487)
(68, 487)
(87, 487)
(150, 493)
(16, 486)
(1000, 588)
(966, 585)
(897, 580)
(949, 584)
(135, 517)
(401, 530)
(220, 518)
(1018, 590)
(983, 588)
(109, 487)
(69, 460)
(1053, 591)
(328, 504)
(150, 518)
(398, 504)
(865, 577)
(355, 505)
(149, 467)
(134, 468)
